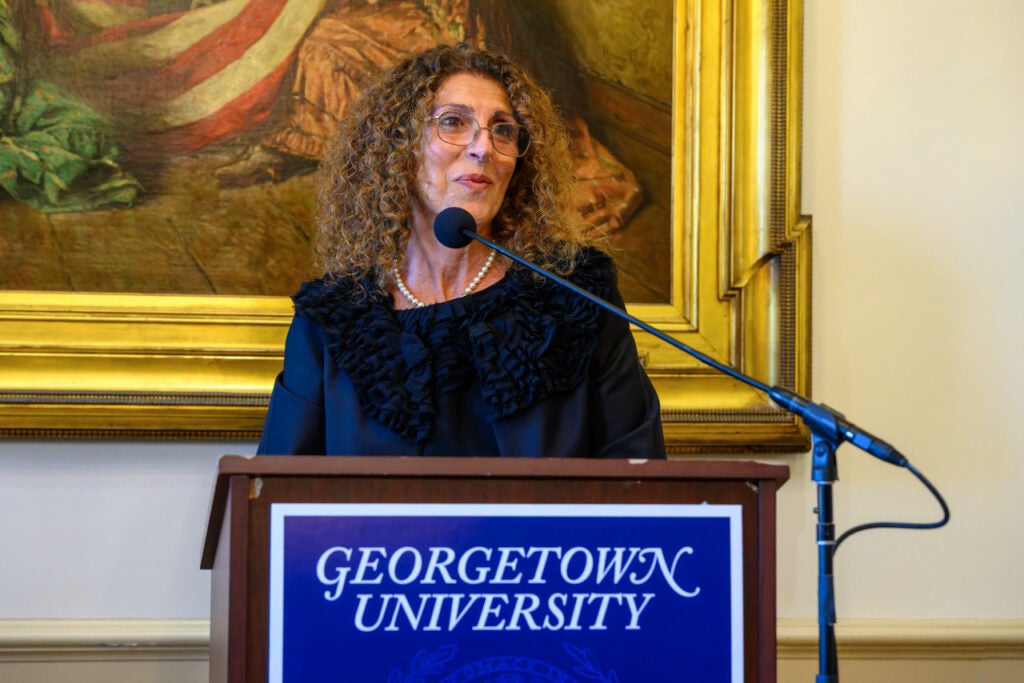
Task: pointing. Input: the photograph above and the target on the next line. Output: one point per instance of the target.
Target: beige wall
(913, 170)
(913, 158)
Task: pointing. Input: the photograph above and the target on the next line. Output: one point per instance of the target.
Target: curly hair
(368, 176)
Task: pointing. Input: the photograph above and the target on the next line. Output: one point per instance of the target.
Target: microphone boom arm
(820, 419)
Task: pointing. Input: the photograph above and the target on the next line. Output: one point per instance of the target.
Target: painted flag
(180, 80)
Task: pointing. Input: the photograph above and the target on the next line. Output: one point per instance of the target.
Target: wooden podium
(237, 541)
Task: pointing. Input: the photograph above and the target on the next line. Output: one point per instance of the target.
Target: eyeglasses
(456, 128)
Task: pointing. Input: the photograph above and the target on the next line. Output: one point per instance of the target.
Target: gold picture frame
(145, 366)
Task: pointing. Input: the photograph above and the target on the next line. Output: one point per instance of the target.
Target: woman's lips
(474, 181)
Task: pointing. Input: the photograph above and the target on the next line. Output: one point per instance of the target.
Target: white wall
(105, 530)
(912, 170)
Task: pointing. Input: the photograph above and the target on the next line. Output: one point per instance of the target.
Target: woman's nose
(483, 146)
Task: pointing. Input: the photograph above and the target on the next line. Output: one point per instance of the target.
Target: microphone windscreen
(450, 223)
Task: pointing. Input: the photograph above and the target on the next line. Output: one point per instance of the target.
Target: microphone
(455, 228)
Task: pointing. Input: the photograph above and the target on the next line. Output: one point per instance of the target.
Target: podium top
(471, 468)
(373, 466)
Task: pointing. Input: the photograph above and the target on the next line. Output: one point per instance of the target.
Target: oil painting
(158, 171)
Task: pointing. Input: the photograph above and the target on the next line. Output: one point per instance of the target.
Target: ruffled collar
(520, 339)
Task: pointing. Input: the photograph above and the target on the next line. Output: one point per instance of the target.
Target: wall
(912, 147)
(912, 168)
(913, 144)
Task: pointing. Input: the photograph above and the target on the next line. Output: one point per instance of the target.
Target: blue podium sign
(505, 593)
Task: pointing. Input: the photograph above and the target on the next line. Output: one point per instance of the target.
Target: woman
(408, 347)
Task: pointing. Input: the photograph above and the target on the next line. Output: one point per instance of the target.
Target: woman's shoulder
(331, 296)
(592, 270)
(596, 267)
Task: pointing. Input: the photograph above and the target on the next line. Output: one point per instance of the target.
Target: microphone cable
(902, 525)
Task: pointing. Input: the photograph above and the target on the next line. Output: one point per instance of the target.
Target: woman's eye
(506, 131)
(451, 121)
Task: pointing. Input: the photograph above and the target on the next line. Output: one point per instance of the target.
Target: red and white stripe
(190, 78)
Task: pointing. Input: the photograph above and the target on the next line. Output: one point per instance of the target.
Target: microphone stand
(828, 429)
(823, 473)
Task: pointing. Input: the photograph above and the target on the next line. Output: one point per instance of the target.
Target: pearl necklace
(472, 285)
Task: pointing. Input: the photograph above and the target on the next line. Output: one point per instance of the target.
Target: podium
(248, 490)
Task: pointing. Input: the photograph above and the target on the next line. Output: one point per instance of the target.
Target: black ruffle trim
(522, 340)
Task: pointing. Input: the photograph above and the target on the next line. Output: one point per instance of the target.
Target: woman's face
(474, 177)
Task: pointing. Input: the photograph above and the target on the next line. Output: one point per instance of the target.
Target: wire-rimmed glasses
(457, 128)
